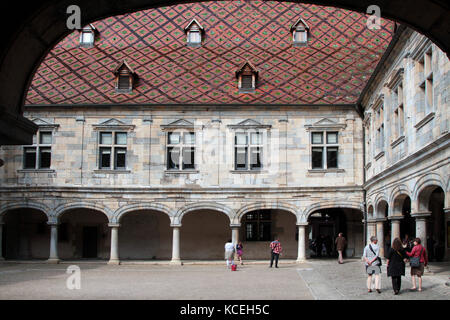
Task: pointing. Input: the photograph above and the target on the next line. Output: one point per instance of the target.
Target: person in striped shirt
(275, 247)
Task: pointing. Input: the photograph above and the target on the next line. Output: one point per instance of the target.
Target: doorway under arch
(83, 234)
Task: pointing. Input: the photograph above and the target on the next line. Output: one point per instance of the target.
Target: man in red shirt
(276, 249)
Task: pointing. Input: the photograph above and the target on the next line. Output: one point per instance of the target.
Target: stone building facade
(171, 170)
(406, 147)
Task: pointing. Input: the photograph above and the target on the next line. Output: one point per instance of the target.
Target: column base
(300, 260)
(176, 262)
(53, 260)
(114, 262)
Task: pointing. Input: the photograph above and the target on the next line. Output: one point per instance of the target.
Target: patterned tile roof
(341, 55)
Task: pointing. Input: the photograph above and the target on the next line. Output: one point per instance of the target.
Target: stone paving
(315, 279)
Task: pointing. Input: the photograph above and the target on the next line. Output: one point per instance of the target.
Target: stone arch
(423, 188)
(397, 198)
(381, 201)
(329, 205)
(370, 212)
(120, 212)
(284, 206)
(23, 205)
(202, 206)
(61, 209)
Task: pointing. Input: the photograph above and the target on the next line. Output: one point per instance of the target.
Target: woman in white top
(372, 262)
(229, 253)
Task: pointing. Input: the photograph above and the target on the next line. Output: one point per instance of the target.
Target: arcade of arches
(84, 233)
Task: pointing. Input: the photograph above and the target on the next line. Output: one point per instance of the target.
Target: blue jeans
(272, 257)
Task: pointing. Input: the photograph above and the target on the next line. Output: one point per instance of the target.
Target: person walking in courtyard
(395, 260)
(239, 251)
(418, 260)
(229, 252)
(275, 247)
(372, 260)
(340, 242)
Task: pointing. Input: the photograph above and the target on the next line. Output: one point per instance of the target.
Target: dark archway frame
(34, 28)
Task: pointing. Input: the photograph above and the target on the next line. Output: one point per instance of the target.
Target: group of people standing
(396, 258)
(231, 249)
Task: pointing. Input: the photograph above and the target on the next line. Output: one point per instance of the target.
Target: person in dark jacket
(395, 260)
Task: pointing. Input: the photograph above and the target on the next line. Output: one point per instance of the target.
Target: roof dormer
(87, 36)
(247, 77)
(300, 33)
(125, 78)
(194, 34)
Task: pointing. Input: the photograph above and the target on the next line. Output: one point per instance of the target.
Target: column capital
(114, 225)
(302, 224)
(447, 210)
(175, 225)
(53, 223)
(421, 215)
(395, 218)
(235, 225)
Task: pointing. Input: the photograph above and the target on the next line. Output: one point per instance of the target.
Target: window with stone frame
(324, 150)
(425, 71)
(300, 32)
(39, 155)
(258, 225)
(379, 127)
(248, 150)
(247, 77)
(398, 111)
(112, 150)
(181, 150)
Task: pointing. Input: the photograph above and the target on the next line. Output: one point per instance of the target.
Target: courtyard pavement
(313, 280)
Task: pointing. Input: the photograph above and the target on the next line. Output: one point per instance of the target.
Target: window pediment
(325, 124)
(180, 124)
(44, 124)
(113, 124)
(396, 78)
(249, 124)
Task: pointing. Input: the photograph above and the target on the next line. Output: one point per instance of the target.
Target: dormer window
(300, 32)
(87, 36)
(125, 78)
(194, 32)
(247, 77)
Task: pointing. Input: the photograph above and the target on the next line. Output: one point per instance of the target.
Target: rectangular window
(181, 151)
(39, 155)
(112, 150)
(29, 161)
(248, 151)
(247, 82)
(258, 226)
(324, 153)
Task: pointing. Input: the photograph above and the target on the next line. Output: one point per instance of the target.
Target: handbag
(415, 261)
(378, 258)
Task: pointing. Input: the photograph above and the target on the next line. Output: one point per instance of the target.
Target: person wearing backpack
(418, 260)
(395, 261)
(372, 260)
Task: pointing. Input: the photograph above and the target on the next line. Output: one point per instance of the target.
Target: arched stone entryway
(260, 227)
(203, 234)
(83, 233)
(145, 235)
(25, 234)
(325, 225)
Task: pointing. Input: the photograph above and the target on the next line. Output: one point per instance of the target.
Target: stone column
(395, 229)
(371, 230)
(421, 226)
(1, 237)
(176, 245)
(53, 258)
(114, 256)
(446, 219)
(235, 237)
(301, 256)
(380, 235)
